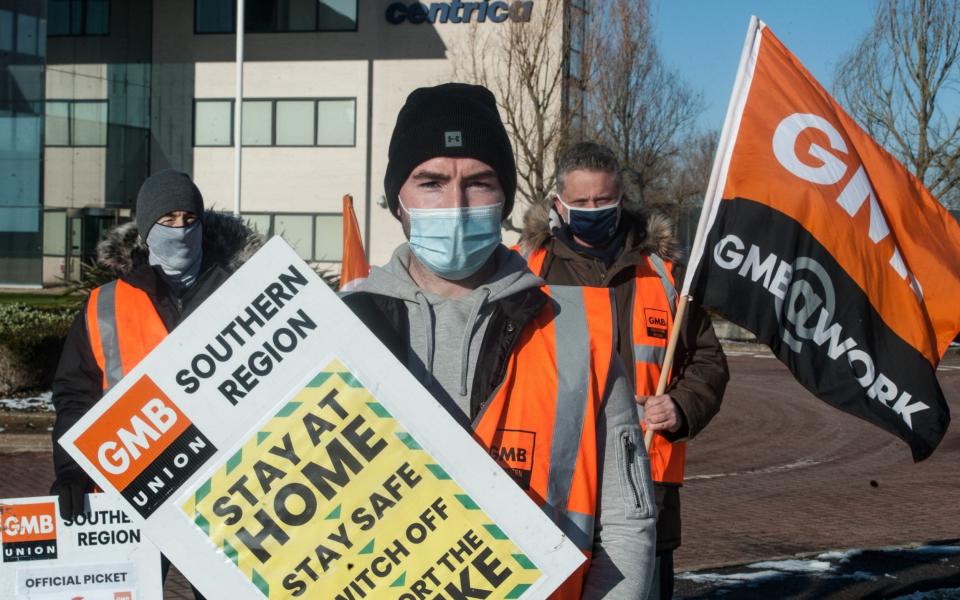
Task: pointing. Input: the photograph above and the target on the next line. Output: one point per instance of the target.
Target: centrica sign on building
(273, 447)
(459, 12)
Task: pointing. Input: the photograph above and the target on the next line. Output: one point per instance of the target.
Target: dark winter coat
(386, 317)
(78, 384)
(700, 367)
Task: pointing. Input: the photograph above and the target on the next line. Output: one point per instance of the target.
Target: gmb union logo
(28, 531)
(145, 446)
(513, 449)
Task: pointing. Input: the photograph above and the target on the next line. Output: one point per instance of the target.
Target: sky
(702, 39)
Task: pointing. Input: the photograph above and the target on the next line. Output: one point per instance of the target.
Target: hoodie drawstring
(467, 337)
(427, 313)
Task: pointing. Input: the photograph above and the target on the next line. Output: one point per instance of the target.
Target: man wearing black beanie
(166, 263)
(525, 368)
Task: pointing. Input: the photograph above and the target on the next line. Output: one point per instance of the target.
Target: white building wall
(289, 65)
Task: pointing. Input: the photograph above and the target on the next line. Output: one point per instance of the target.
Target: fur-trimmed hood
(653, 231)
(227, 242)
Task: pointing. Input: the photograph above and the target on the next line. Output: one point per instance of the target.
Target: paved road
(777, 473)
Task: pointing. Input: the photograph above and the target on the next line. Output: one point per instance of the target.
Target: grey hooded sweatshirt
(445, 339)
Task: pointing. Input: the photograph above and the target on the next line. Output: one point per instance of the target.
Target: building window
(257, 123)
(292, 122)
(336, 122)
(295, 124)
(328, 238)
(79, 123)
(6, 31)
(214, 16)
(577, 37)
(213, 123)
(78, 17)
(276, 16)
(54, 233)
(315, 237)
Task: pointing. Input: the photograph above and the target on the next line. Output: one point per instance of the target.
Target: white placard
(275, 448)
(102, 554)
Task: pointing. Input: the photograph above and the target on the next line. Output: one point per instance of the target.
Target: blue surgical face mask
(454, 242)
(592, 225)
(177, 250)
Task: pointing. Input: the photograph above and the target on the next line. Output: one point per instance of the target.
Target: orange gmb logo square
(28, 522)
(145, 446)
(28, 531)
(133, 432)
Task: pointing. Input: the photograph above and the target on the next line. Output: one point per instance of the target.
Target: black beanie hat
(450, 120)
(165, 192)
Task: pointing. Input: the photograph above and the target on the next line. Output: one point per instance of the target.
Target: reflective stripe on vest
(654, 308)
(123, 327)
(654, 291)
(541, 424)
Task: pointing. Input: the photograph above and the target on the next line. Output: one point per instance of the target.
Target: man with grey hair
(588, 237)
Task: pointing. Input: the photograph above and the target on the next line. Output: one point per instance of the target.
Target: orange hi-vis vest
(654, 305)
(541, 424)
(123, 327)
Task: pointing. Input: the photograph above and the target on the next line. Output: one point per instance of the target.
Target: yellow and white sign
(274, 448)
(333, 494)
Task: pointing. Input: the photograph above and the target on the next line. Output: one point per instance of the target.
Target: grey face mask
(177, 250)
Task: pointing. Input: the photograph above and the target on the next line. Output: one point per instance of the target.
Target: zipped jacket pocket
(633, 465)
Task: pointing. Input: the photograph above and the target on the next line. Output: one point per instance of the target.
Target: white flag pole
(238, 112)
(728, 137)
(712, 198)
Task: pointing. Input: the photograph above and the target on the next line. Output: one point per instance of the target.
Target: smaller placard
(100, 555)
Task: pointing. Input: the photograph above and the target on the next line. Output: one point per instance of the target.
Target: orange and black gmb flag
(816, 239)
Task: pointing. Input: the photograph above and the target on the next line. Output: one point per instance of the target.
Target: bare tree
(636, 104)
(522, 63)
(688, 172)
(900, 83)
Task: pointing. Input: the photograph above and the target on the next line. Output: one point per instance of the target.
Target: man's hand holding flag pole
(816, 239)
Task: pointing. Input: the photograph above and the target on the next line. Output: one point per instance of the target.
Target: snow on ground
(731, 578)
(834, 564)
(794, 566)
(841, 555)
(39, 403)
(765, 571)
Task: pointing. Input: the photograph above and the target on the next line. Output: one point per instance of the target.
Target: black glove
(71, 486)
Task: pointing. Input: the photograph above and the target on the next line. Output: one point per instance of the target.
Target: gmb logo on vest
(656, 321)
(28, 531)
(145, 446)
(513, 450)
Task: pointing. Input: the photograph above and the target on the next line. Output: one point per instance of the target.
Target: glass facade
(22, 57)
(78, 17)
(278, 122)
(577, 19)
(315, 237)
(96, 127)
(76, 123)
(276, 16)
(95, 95)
